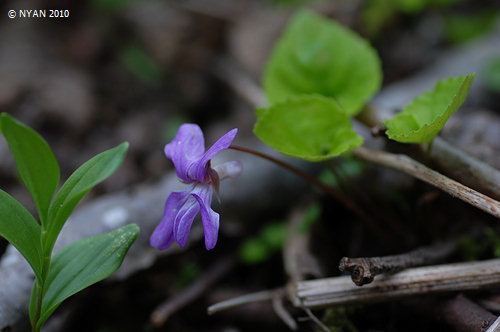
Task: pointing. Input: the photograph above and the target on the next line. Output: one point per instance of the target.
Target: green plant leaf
(426, 115)
(318, 56)
(35, 162)
(19, 227)
(78, 184)
(84, 263)
(310, 127)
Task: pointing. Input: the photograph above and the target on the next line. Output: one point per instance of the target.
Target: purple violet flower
(192, 165)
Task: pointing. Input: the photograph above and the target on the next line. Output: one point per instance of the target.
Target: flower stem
(297, 171)
(344, 200)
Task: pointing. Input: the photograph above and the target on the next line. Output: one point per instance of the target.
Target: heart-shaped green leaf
(316, 55)
(35, 161)
(78, 184)
(82, 264)
(309, 127)
(19, 227)
(426, 115)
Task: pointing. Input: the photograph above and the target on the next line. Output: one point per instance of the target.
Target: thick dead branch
(434, 279)
(407, 165)
(465, 315)
(364, 269)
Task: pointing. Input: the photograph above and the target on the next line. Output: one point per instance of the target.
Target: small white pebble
(115, 217)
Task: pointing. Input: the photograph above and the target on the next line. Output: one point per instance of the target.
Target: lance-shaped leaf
(82, 264)
(426, 115)
(309, 127)
(19, 227)
(78, 184)
(318, 55)
(35, 161)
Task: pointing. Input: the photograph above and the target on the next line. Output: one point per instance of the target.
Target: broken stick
(321, 293)
(364, 269)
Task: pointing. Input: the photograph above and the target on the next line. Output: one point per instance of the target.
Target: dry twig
(495, 327)
(462, 166)
(407, 165)
(316, 320)
(282, 313)
(434, 279)
(274, 295)
(364, 269)
(171, 306)
(466, 169)
(266, 295)
(297, 259)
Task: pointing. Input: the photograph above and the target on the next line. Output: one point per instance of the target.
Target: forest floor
(134, 71)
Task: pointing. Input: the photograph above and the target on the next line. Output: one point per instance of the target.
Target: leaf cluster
(83, 262)
(320, 74)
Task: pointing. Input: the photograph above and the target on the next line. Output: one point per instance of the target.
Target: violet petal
(185, 149)
(209, 218)
(197, 170)
(184, 220)
(163, 235)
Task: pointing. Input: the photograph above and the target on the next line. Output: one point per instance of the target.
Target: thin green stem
(344, 200)
(36, 318)
(47, 254)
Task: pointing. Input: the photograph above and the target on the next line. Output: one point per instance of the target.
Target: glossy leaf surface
(426, 115)
(19, 227)
(35, 162)
(310, 127)
(78, 184)
(84, 263)
(316, 55)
